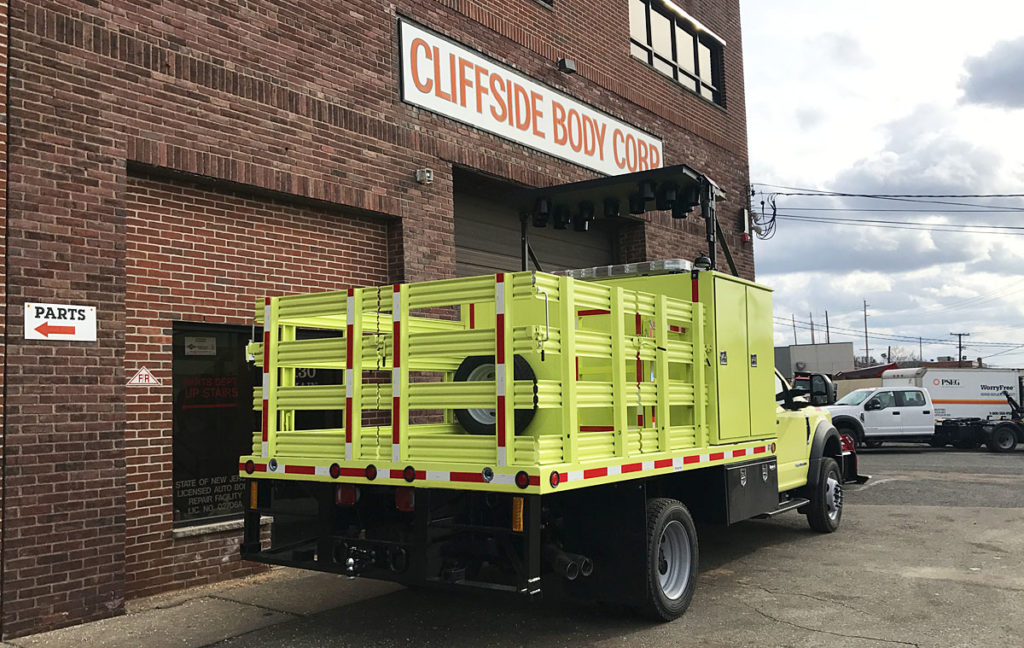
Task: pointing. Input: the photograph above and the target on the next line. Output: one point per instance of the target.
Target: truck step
(785, 506)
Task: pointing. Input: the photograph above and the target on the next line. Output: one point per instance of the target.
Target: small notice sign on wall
(60, 322)
(144, 378)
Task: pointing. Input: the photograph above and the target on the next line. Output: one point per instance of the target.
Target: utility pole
(866, 352)
(828, 338)
(920, 350)
(794, 328)
(811, 315)
(960, 347)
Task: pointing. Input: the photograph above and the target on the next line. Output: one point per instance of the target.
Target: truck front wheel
(826, 508)
(1002, 439)
(671, 563)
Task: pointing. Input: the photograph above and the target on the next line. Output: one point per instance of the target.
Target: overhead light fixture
(611, 207)
(561, 217)
(665, 196)
(637, 205)
(567, 65)
(581, 222)
(647, 190)
(541, 211)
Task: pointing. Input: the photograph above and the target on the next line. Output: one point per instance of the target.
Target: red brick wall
(293, 98)
(197, 255)
(3, 243)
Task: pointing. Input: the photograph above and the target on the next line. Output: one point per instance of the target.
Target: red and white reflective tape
(349, 373)
(266, 378)
(499, 362)
(675, 463)
(444, 476)
(396, 374)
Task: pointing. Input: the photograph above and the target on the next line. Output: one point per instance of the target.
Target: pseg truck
(525, 431)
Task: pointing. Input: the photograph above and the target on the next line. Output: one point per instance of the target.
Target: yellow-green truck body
(585, 389)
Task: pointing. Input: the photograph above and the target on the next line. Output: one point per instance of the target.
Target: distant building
(817, 358)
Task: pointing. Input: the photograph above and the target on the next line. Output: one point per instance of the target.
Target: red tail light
(405, 498)
(847, 442)
(346, 494)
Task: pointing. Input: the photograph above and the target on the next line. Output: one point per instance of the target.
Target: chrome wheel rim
(483, 373)
(674, 558)
(833, 497)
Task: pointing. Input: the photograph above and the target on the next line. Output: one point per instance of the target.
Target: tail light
(346, 494)
(847, 442)
(405, 498)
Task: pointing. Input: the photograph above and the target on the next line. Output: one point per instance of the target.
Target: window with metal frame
(674, 43)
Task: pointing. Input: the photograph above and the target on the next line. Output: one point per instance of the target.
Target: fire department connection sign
(60, 322)
(447, 78)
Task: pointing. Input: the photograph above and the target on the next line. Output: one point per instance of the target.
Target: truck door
(881, 416)
(915, 412)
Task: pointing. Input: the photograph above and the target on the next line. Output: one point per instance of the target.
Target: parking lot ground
(930, 554)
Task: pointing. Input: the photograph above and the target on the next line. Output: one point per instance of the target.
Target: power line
(894, 336)
(913, 198)
(1007, 230)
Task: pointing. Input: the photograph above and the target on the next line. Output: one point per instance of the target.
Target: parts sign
(452, 80)
(60, 322)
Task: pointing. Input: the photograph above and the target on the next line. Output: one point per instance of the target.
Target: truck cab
(876, 414)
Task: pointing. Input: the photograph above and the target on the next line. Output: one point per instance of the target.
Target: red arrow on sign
(46, 329)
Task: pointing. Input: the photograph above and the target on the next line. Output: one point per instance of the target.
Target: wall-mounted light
(424, 176)
(567, 65)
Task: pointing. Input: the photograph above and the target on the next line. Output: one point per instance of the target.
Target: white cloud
(880, 97)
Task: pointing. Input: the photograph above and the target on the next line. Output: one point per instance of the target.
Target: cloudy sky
(907, 97)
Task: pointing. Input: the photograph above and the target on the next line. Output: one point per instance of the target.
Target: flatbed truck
(526, 431)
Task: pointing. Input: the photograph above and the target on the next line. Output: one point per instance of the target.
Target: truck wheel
(858, 440)
(826, 508)
(671, 563)
(481, 368)
(1002, 439)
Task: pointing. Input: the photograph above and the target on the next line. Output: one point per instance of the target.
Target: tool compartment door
(760, 362)
(731, 359)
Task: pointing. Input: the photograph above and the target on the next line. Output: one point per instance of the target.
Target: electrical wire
(841, 330)
(1007, 230)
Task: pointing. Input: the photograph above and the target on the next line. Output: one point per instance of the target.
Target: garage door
(487, 237)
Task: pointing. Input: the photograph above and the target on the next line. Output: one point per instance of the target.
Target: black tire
(482, 421)
(872, 443)
(825, 511)
(1002, 439)
(858, 440)
(671, 562)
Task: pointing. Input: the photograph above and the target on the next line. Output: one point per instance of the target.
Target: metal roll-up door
(487, 234)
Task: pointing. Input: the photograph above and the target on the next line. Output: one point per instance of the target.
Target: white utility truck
(961, 407)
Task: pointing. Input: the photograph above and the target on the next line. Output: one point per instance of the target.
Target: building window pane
(705, 64)
(640, 53)
(684, 50)
(661, 34)
(665, 68)
(638, 21)
(213, 420)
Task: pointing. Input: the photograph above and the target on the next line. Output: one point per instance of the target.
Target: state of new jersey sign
(60, 322)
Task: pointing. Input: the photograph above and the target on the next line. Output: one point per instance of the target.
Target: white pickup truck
(878, 414)
(906, 413)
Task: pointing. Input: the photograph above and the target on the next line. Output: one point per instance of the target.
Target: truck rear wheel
(481, 369)
(826, 508)
(1002, 439)
(671, 563)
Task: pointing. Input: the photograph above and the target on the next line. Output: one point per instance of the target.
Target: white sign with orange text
(447, 78)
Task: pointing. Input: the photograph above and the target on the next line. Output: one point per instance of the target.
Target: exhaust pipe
(561, 562)
(585, 564)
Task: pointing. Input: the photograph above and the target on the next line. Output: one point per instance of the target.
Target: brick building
(168, 163)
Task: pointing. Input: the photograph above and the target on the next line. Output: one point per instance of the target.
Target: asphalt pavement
(930, 554)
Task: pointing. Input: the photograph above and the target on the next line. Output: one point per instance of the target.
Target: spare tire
(481, 368)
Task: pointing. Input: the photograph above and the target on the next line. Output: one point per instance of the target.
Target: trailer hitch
(358, 559)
